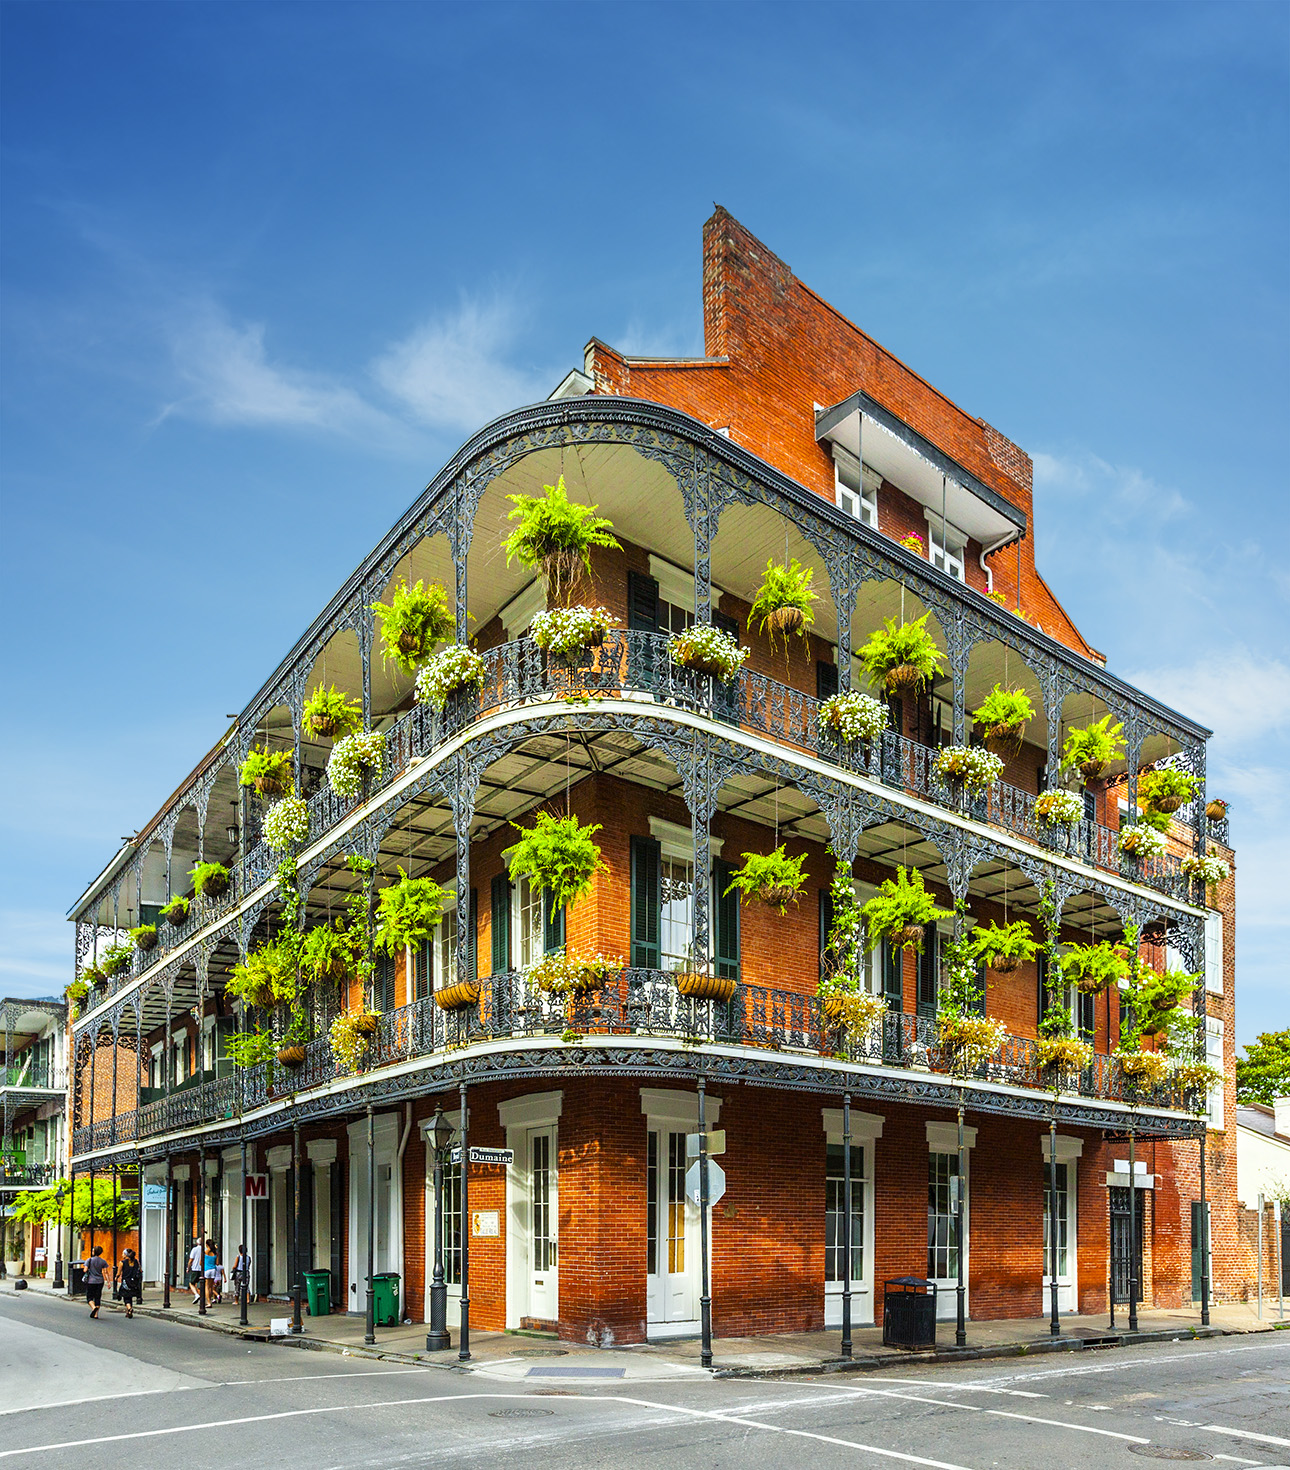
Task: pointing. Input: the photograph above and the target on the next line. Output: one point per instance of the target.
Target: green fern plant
(783, 605)
(903, 657)
(332, 714)
(270, 772)
(412, 622)
(558, 856)
(250, 1048)
(772, 877)
(1092, 968)
(1093, 747)
(407, 913)
(1165, 790)
(555, 536)
(268, 977)
(329, 953)
(900, 911)
(210, 879)
(1003, 948)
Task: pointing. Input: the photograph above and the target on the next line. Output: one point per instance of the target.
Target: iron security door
(1120, 1255)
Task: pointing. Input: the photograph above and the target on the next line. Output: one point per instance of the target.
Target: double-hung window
(1214, 1056)
(855, 489)
(946, 545)
(663, 886)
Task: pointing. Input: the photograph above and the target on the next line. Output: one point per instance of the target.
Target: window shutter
(384, 983)
(642, 603)
(725, 922)
(826, 926)
(500, 924)
(893, 977)
(472, 938)
(647, 902)
(1084, 1015)
(726, 623)
(981, 973)
(928, 972)
(1041, 975)
(826, 679)
(552, 925)
(425, 969)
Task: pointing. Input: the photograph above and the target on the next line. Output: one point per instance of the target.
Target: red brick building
(795, 436)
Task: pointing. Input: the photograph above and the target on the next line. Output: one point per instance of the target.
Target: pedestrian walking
(241, 1274)
(129, 1281)
(95, 1271)
(214, 1275)
(195, 1270)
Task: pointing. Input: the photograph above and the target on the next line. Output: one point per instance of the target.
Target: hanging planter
(1147, 1068)
(457, 997)
(407, 914)
(856, 1010)
(291, 1056)
(1141, 841)
(1002, 717)
(1093, 748)
(329, 953)
(854, 718)
(211, 880)
(286, 824)
(1216, 810)
(1003, 948)
(557, 856)
(968, 767)
(1166, 789)
(571, 633)
(1093, 968)
(450, 671)
(901, 659)
(783, 607)
(707, 650)
(554, 537)
(1208, 869)
(696, 985)
(330, 712)
(772, 878)
(267, 977)
(562, 973)
(900, 911)
(1059, 808)
(175, 912)
(355, 759)
(348, 1040)
(1196, 1074)
(115, 959)
(1064, 1053)
(144, 937)
(411, 623)
(268, 771)
(971, 1040)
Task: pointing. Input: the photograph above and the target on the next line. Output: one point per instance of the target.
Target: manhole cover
(1164, 1452)
(521, 1413)
(541, 1352)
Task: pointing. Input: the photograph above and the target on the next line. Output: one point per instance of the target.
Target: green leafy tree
(1264, 1071)
(78, 1207)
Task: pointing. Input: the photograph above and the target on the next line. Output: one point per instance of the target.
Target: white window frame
(677, 843)
(443, 974)
(948, 553)
(517, 929)
(861, 505)
(873, 959)
(1214, 952)
(1214, 1056)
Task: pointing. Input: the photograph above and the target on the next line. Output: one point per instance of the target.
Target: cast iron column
(1054, 1324)
(463, 1350)
(438, 1338)
(1204, 1236)
(846, 1224)
(201, 1229)
(168, 1246)
(960, 1320)
(244, 1286)
(369, 1335)
(297, 1325)
(1133, 1239)
(705, 1299)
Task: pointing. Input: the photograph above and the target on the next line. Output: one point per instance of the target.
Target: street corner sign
(716, 1182)
(484, 1155)
(256, 1186)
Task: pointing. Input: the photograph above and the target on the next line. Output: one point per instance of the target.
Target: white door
(834, 1245)
(154, 1242)
(672, 1233)
(542, 1232)
(942, 1251)
(1065, 1238)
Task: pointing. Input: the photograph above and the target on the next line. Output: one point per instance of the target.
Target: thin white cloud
(36, 952)
(1242, 696)
(1121, 492)
(455, 371)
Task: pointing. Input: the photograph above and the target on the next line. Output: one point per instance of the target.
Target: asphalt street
(129, 1393)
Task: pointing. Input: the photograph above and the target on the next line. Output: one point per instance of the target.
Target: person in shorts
(214, 1274)
(196, 1267)
(95, 1271)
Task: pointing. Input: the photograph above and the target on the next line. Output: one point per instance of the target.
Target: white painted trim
(536, 1110)
(943, 1138)
(678, 841)
(520, 611)
(322, 1150)
(676, 585)
(279, 1157)
(1068, 1148)
(865, 1127)
(678, 1110)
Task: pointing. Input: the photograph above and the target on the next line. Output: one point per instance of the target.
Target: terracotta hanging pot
(456, 997)
(707, 987)
(1005, 741)
(1216, 810)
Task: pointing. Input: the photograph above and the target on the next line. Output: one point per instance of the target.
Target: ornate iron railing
(27, 1176)
(635, 1002)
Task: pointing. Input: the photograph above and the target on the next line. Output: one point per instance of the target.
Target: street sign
(154, 1194)
(716, 1143)
(484, 1155)
(716, 1182)
(256, 1186)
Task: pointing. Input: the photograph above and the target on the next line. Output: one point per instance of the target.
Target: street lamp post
(439, 1135)
(59, 1283)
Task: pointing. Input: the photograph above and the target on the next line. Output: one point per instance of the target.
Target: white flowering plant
(1142, 841)
(286, 824)
(1209, 869)
(708, 650)
(352, 757)
(561, 973)
(1059, 808)
(853, 717)
(969, 765)
(452, 668)
(566, 631)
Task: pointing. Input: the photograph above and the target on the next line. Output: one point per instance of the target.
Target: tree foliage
(1263, 1073)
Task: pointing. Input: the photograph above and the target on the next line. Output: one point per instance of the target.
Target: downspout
(990, 551)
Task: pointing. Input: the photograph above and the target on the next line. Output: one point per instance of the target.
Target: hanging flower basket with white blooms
(570, 632)
(353, 758)
(286, 824)
(707, 650)
(1140, 841)
(1059, 808)
(854, 717)
(968, 765)
(1208, 869)
(452, 668)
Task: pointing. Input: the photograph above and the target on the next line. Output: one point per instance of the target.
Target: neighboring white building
(1263, 1152)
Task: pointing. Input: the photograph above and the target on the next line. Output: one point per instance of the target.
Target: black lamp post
(439, 1135)
(59, 1283)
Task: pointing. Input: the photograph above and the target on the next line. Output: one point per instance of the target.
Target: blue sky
(266, 266)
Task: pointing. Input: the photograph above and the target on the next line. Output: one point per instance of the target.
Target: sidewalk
(516, 1355)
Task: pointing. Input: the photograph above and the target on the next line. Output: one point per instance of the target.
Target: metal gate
(1120, 1256)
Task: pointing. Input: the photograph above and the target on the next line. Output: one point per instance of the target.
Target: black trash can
(76, 1279)
(909, 1312)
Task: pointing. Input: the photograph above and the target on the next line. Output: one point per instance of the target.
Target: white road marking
(1116, 1365)
(714, 1414)
(1246, 1434)
(888, 1393)
(1020, 1393)
(95, 1398)
(1238, 1460)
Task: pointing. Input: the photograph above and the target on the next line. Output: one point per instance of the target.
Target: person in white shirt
(196, 1270)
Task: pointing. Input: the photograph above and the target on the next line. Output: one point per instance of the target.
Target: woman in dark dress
(95, 1270)
(130, 1281)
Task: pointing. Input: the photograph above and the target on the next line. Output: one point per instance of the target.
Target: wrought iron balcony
(636, 1003)
(34, 1079)
(28, 1176)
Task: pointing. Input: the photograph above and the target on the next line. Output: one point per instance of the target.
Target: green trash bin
(318, 1286)
(385, 1285)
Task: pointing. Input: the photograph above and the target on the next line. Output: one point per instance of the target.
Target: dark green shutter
(1041, 974)
(1084, 1020)
(425, 970)
(500, 928)
(725, 922)
(642, 603)
(552, 925)
(472, 939)
(928, 972)
(826, 679)
(647, 902)
(384, 983)
(981, 973)
(893, 975)
(826, 926)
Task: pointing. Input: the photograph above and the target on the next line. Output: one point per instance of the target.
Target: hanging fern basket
(903, 679)
(1005, 964)
(907, 936)
(322, 725)
(291, 1056)
(457, 997)
(857, 1012)
(1005, 741)
(707, 987)
(777, 895)
(1091, 770)
(1167, 804)
(786, 621)
(366, 1023)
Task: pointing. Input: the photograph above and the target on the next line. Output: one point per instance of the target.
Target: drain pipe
(990, 551)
